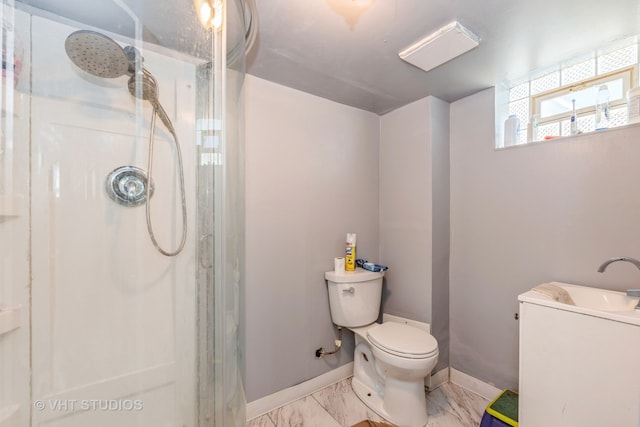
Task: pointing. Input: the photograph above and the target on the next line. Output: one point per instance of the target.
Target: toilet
(391, 359)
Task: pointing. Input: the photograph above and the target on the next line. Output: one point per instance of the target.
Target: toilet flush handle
(349, 290)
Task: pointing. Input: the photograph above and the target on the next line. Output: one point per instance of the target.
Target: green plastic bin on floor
(502, 411)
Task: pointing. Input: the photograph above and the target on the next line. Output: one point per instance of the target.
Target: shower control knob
(128, 186)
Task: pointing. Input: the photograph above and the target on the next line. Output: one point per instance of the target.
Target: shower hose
(182, 192)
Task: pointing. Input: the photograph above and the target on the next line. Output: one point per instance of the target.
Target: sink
(600, 299)
(591, 301)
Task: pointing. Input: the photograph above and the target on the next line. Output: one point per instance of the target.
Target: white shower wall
(111, 318)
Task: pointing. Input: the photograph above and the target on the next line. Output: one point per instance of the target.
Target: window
(547, 100)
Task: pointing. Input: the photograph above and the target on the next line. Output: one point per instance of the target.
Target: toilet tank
(354, 296)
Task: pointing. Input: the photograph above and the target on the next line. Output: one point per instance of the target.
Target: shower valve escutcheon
(128, 186)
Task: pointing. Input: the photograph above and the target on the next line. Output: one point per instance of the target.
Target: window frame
(628, 74)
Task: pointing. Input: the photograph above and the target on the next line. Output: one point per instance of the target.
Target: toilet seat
(403, 340)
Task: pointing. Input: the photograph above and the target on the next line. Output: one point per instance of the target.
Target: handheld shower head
(144, 86)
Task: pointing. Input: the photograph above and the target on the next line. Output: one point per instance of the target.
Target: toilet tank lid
(359, 275)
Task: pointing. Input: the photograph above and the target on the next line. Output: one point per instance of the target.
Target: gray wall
(312, 176)
(405, 210)
(519, 217)
(440, 323)
(414, 215)
(528, 215)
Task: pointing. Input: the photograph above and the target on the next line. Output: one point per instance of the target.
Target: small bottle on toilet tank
(350, 253)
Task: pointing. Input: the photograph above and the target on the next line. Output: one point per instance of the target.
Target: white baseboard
(437, 379)
(488, 391)
(283, 397)
(280, 398)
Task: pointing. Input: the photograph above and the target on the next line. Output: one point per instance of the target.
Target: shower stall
(121, 213)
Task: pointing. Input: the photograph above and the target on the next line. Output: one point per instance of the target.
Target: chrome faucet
(630, 292)
(634, 293)
(620, 258)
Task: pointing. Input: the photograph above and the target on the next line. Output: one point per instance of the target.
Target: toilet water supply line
(338, 343)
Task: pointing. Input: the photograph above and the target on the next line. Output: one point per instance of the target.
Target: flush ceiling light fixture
(362, 3)
(441, 46)
(350, 10)
(210, 13)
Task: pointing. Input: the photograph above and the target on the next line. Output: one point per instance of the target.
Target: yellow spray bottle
(350, 253)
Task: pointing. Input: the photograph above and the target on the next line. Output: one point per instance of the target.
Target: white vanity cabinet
(578, 367)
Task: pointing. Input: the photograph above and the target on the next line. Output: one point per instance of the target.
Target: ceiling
(310, 46)
(347, 50)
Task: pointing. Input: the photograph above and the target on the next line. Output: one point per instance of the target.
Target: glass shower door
(14, 221)
(97, 326)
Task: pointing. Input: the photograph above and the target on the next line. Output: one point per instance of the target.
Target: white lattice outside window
(546, 102)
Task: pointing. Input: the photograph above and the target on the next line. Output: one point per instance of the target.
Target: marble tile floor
(337, 405)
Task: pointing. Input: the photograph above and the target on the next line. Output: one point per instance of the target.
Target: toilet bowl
(391, 359)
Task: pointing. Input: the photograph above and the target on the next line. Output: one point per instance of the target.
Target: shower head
(97, 54)
(101, 56)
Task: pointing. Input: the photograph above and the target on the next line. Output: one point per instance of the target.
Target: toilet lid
(403, 340)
